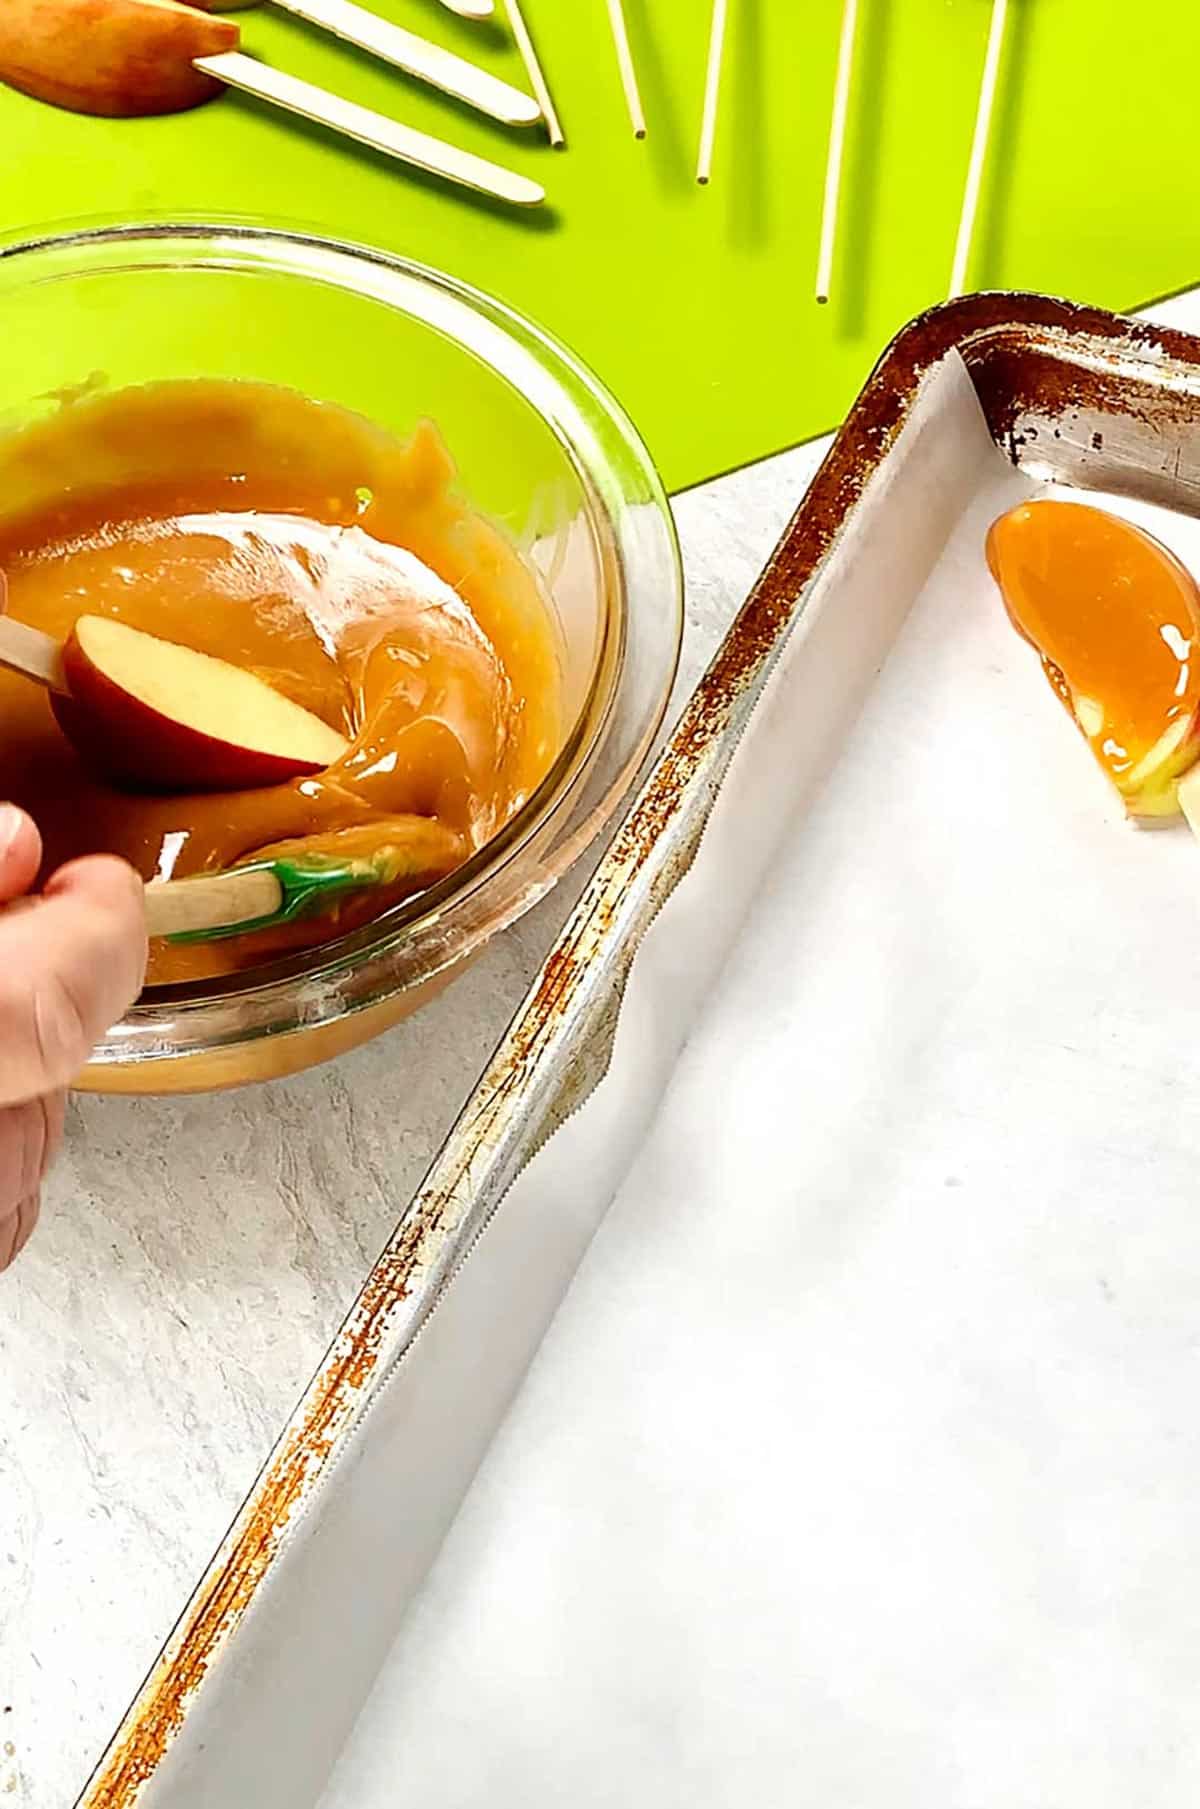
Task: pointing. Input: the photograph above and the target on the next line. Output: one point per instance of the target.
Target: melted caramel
(298, 541)
(1116, 620)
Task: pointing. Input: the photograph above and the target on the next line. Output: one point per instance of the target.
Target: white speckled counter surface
(194, 1259)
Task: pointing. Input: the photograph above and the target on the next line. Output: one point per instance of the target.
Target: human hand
(72, 959)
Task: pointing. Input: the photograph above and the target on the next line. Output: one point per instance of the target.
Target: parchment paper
(860, 1466)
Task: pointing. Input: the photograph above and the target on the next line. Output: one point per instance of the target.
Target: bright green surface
(696, 305)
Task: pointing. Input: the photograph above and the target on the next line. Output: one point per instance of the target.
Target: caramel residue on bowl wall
(298, 540)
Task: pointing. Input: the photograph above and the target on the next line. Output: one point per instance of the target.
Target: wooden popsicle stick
(712, 91)
(836, 151)
(372, 129)
(27, 650)
(180, 907)
(535, 72)
(418, 57)
(470, 9)
(979, 145)
(629, 81)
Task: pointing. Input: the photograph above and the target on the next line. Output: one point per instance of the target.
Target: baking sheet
(860, 1464)
(255, 1692)
(259, 1685)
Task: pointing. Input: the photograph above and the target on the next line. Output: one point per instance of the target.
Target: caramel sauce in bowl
(407, 510)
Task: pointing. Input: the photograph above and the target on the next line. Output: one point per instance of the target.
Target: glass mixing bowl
(541, 449)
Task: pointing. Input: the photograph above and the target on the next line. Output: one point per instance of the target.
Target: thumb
(20, 852)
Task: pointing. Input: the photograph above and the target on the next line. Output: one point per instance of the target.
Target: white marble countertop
(194, 1258)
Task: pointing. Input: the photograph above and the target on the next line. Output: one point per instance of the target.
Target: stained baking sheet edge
(549, 1061)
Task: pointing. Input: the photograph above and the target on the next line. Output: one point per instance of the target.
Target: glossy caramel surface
(298, 541)
(1116, 620)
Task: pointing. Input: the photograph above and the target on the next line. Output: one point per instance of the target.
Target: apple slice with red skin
(156, 716)
(118, 58)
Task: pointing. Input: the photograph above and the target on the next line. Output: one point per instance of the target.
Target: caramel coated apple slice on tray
(1116, 620)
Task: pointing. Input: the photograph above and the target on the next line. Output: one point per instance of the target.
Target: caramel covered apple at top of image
(302, 545)
(1115, 618)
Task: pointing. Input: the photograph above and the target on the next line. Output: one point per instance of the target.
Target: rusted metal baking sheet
(1070, 394)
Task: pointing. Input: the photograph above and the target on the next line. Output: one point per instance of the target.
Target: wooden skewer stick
(535, 72)
(629, 81)
(837, 146)
(372, 129)
(979, 145)
(712, 91)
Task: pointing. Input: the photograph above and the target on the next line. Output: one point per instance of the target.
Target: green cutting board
(696, 305)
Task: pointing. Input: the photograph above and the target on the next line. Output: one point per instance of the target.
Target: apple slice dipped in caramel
(113, 57)
(1116, 620)
(156, 716)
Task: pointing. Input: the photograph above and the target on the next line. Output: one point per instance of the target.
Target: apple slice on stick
(1115, 619)
(156, 716)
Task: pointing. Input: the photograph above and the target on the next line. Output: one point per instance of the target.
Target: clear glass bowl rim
(616, 472)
